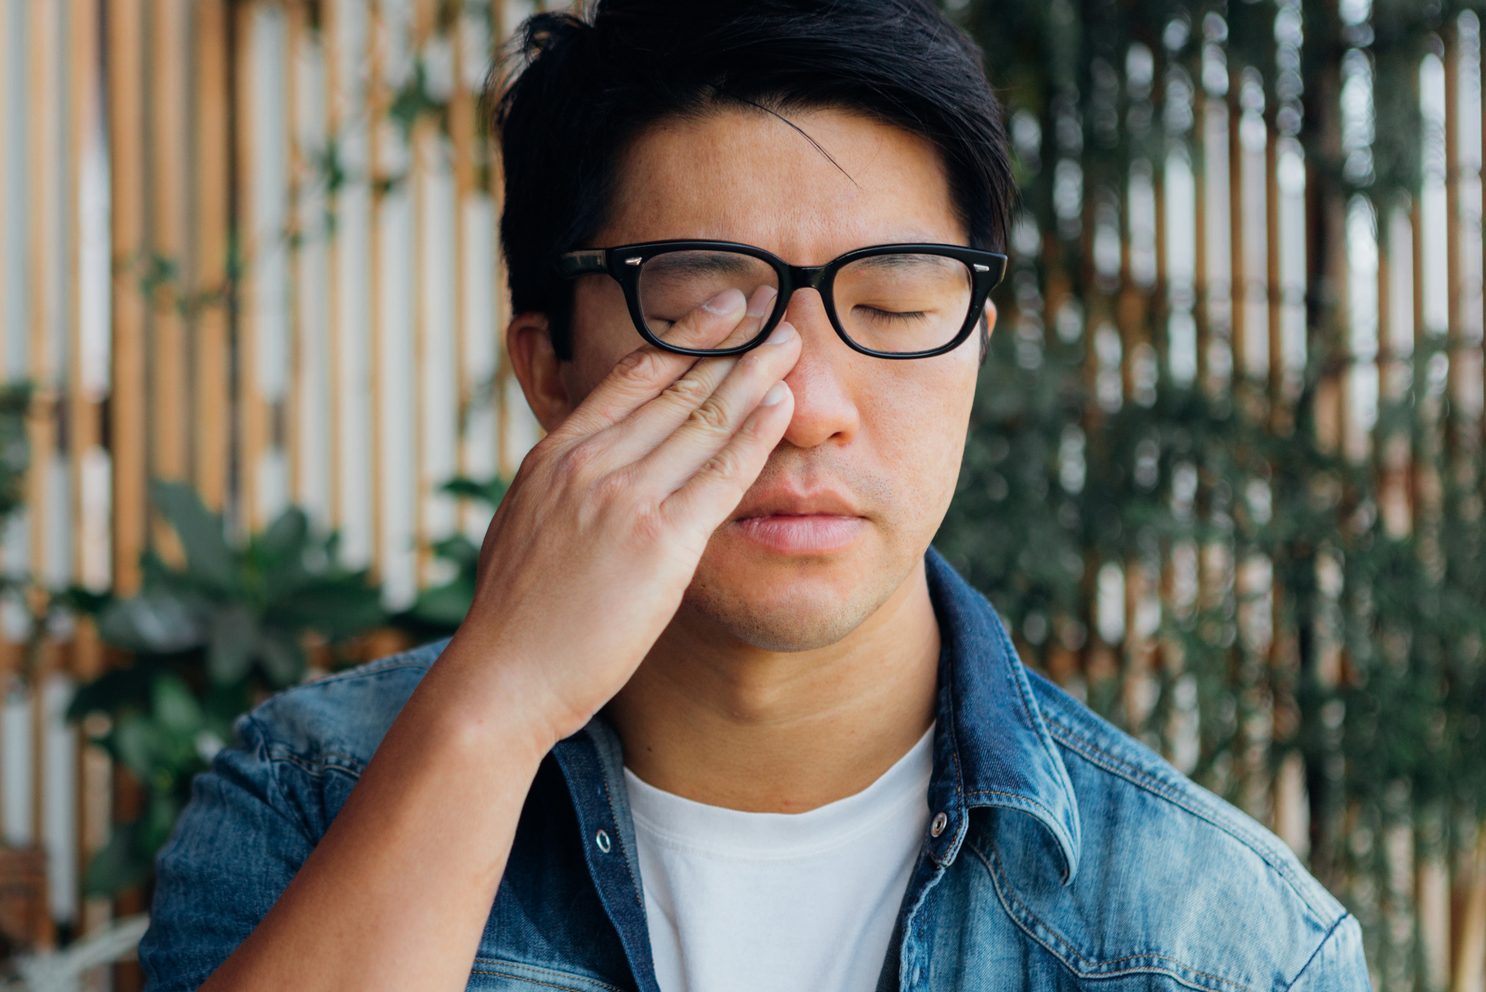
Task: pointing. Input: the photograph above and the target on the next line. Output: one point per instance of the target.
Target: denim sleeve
(1338, 964)
(233, 850)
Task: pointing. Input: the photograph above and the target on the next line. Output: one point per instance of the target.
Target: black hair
(574, 89)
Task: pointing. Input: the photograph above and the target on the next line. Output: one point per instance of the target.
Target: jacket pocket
(496, 975)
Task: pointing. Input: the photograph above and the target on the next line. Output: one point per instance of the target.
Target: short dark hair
(573, 90)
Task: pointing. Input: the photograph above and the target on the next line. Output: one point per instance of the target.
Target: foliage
(439, 610)
(204, 641)
(1375, 676)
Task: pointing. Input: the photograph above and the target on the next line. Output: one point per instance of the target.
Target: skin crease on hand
(785, 682)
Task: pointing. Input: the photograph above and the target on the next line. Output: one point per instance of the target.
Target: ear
(987, 325)
(538, 368)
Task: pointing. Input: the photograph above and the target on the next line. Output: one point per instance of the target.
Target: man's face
(887, 434)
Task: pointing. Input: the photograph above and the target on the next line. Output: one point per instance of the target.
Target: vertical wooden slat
(251, 409)
(462, 136)
(130, 438)
(84, 408)
(43, 250)
(212, 52)
(331, 16)
(127, 398)
(169, 390)
(296, 41)
(421, 156)
(376, 101)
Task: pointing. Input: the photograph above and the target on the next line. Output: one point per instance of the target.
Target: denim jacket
(1061, 853)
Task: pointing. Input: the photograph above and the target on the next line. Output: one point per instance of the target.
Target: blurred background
(1224, 479)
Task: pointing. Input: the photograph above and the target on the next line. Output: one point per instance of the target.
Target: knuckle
(723, 464)
(577, 461)
(688, 391)
(710, 417)
(640, 365)
(616, 487)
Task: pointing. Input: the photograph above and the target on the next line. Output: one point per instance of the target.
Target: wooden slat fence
(235, 251)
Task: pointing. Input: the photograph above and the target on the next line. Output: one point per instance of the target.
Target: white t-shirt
(779, 901)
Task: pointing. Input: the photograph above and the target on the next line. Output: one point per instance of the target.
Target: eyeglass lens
(897, 302)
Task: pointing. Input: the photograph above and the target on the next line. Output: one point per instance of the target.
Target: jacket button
(602, 840)
(940, 822)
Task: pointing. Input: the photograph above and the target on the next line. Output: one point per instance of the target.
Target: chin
(788, 603)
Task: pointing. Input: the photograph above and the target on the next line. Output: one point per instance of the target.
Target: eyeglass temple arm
(577, 263)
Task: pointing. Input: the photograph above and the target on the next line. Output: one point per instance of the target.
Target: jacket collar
(991, 745)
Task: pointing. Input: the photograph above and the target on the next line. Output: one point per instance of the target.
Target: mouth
(801, 533)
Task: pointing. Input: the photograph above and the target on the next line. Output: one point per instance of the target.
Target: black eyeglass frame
(623, 262)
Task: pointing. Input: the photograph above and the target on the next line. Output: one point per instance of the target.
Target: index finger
(723, 321)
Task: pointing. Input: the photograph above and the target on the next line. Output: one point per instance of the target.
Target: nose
(826, 378)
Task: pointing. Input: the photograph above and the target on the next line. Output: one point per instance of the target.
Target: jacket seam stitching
(1335, 928)
(273, 777)
(1089, 965)
(1116, 766)
(330, 761)
(497, 962)
(535, 981)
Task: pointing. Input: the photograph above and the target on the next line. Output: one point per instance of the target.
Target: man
(719, 717)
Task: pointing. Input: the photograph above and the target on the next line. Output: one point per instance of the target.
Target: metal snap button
(940, 822)
(602, 840)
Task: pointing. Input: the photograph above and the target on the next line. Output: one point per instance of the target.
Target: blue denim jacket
(1069, 855)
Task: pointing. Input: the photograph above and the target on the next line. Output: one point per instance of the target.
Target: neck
(733, 725)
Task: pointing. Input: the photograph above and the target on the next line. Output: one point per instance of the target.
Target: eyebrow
(701, 260)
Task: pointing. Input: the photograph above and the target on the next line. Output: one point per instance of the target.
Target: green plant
(205, 640)
(438, 610)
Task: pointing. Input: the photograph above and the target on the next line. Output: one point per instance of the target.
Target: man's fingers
(711, 424)
(718, 487)
(726, 320)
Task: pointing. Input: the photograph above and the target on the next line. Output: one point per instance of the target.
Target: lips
(801, 533)
(782, 502)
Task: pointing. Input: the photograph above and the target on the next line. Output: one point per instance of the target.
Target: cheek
(602, 332)
(922, 423)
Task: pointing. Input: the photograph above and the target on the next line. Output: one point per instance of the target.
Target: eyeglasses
(891, 301)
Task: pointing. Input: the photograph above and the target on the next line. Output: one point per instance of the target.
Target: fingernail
(784, 334)
(726, 302)
(763, 301)
(774, 395)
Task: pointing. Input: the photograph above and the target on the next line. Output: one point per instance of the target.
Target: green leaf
(175, 707)
(285, 537)
(283, 659)
(234, 639)
(489, 491)
(136, 741)
(444, 605)
(460, 550)
(115, 866)
(208, 557)
(153, 622)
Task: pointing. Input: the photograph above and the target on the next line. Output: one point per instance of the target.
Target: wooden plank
(85, 652)
(422, 155)
(212, 54)
(45, 196)
(377, 101)
(127, 445)
(251, 411)
(462, 138)
(331, 14)
(169, 196)
(296, 33)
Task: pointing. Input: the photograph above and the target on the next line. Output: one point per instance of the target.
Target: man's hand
(597, 538)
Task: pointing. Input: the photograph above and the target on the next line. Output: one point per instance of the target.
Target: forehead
(744, 174)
